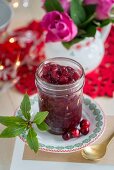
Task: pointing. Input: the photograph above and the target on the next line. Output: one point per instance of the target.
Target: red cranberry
(66, 136)
(54, 75)
(75, 133)
(64, 71)
(84, 130)
(46, 78)
(70, 69)
(75, 76)
(54, 67)
(57, 74)
(84, 122)
(46, 69)
(63, 80)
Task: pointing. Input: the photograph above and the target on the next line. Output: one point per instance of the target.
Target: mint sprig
(12, 120)
(16, 125)
(11, 132)
(26, 107)
(32, 139)
(40, 117)
(43, 126)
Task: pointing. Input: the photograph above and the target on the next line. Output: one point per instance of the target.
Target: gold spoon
(96, 152)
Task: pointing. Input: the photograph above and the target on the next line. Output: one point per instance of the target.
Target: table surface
(11, 99)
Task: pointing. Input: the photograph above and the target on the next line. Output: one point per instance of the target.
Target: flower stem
(88, 20)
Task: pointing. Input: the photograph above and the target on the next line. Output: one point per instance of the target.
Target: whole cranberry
(75, 133)
(54, 75)
(46, 69)
(75, 76)
(57, 74)
(64, 71)
(66, 136)
(63, 80)
(84, 130)
(54, 67)
(84, 122)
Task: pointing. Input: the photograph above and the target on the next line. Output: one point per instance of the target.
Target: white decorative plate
(54, 143)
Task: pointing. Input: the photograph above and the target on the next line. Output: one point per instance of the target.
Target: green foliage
(16, 125)
(32, 140)
(105, 22)
(26, 107)
(12, 120)
(53, 5)
(72, 42)
(40, 117)
(43, 126)
(77, 12)
(10, 132)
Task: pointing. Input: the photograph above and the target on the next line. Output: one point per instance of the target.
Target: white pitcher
(89, 52)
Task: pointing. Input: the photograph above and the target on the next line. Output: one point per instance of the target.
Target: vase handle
(105, 32)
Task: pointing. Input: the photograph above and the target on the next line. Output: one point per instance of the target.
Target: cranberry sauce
(57, 74)
(64, 112)
(60, 97)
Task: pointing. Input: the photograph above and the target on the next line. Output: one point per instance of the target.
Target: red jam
(57, 74)
(60, 89)
(64, 113)
(65, 110)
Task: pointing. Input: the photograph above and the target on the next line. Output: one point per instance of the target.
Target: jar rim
(58, 86)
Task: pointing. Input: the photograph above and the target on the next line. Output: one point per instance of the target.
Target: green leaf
(81, 32)
(26, 107)
(90, 9)
(90, 31)
(11, 132)
(87, 21)
(53, 5)
(104, 22)
(77, 12)
(70, 43)
(43, 126)
(32, 140)
(40, 117)
(11, 120)
(112, 20)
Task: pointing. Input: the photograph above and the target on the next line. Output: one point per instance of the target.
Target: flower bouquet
(70, 21)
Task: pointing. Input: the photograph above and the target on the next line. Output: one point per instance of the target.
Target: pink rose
(59, 27)
(103, 8)
(65, 4)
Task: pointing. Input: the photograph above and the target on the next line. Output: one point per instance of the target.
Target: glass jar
(63, 102)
